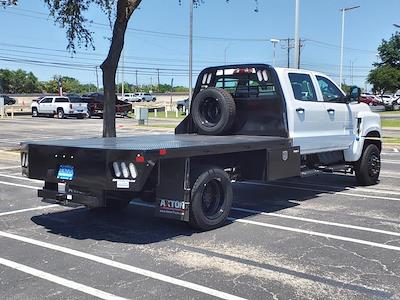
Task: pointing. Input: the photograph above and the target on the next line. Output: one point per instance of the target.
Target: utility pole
(343, 10)
(136, 79)
(158, 80)
(97, 79)
(301, 46)
(191, 4)
(288, 47)
(297, 36)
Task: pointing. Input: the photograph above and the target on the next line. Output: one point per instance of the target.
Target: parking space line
(13, 212)
(20, 178)
(395, 162)
(315, 233)
(19, 185)
(317, 221)
(356, 189)
(10, 167)
(59, 280)
(309, 232)
(125, 267)
(322, 191)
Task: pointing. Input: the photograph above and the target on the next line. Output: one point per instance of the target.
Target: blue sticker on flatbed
(65, 172)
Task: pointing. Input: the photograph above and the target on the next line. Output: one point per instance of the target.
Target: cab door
(306, 113)
(338, 113)
(44, 106)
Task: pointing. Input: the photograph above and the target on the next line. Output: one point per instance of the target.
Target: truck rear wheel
(368, 167)
(211, 199)
(213, 111)
(60, 113)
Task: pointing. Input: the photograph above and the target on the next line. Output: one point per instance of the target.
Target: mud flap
(173, 189)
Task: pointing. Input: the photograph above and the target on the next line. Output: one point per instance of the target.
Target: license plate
(65, 172)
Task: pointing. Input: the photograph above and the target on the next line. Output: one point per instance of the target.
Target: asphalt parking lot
(313, 238)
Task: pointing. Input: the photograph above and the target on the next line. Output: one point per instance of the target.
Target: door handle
(330, 110)
(300, 110)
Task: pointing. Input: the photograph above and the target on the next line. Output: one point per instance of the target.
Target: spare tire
(213, 111)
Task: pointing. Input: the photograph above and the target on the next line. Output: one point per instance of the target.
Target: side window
(329, 90)
(47, 100)
(303, 88)
(61, 100)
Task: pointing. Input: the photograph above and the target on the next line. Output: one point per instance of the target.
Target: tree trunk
(125, 8)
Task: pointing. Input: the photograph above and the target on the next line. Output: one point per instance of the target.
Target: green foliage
(69, 84)
(385, 77)
(19, 81)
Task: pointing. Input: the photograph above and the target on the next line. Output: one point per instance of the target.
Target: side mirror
(354, 95)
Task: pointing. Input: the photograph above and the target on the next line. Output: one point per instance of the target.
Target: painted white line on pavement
(395, 162)
(10, 167)
(314, 233)
(59, 280)
(356, 189)
(326, 235)
(322, 191)
(295, 218)
(125, 267)
(13, 212)
(20, 185)
(20, 178)
(317, 221)
(396, 150)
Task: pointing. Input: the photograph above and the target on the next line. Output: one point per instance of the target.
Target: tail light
(125, 170)
(117, 171)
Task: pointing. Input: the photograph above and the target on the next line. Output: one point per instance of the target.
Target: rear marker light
(117, 171)
(124, 170)
(139, 158)
(163, 152)
(133, 171)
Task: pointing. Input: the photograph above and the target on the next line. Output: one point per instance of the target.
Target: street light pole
(396, 25)
(343, 10)
(297, 36)
(123, 79)
(191, 4)
(274, 42)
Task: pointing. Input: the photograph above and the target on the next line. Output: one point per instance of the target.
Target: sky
(234, 32)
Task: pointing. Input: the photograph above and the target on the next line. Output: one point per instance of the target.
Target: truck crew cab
(246, 122)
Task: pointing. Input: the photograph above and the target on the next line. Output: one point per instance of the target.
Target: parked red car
(95, 104)
(369, 100)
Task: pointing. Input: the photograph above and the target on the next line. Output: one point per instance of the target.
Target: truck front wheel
(368, 167)
(211, 199)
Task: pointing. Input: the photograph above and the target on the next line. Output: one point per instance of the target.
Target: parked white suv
(144, 97)
(60, 106)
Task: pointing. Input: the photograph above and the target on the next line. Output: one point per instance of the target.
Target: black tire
(368, 167)
(211, 199)
(60, 113)
(213, 111)
(35, 113)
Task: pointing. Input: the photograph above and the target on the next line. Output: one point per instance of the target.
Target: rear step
(346, 169)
